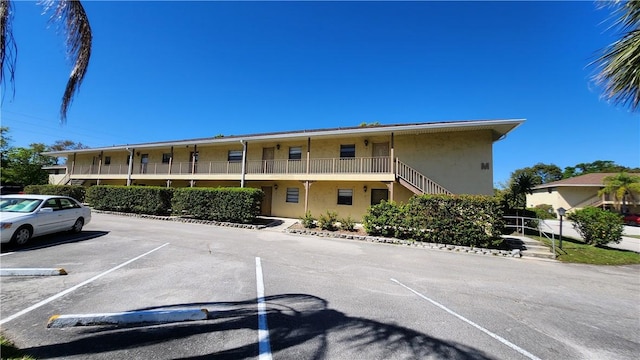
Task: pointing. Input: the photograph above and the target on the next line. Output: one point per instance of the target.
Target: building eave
(499, 129)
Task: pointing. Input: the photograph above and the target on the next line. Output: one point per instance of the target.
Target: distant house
(343, 170)
(578, 192)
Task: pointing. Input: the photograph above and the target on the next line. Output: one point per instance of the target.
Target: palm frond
(78, 43)
(8, 48)
(619, 65)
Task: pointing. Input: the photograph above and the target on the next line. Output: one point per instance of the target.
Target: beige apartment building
(343, 169)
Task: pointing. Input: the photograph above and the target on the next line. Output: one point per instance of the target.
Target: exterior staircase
(529, 247)
(419, 184)
(77, 182)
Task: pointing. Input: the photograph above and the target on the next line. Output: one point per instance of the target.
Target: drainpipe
(100, 167)
(130, 169)
(244, 161)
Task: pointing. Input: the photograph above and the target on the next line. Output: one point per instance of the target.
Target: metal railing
(362, 165)
(522, 223)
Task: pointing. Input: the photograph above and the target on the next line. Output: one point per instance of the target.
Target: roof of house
(499, 129)
(593, 179)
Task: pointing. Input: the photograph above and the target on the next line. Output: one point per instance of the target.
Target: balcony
(330, 166)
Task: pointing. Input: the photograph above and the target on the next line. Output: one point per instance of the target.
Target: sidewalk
(627, 243)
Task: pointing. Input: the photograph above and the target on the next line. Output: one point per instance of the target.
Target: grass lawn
(576, 251)
(10, 352)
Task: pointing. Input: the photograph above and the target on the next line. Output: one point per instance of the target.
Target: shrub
(384, 219)
(597, 226)
(544, 211)
(308, 221)
(73, 191)
(152, 200)
(328, 221)
(348, 224)
(241, 205)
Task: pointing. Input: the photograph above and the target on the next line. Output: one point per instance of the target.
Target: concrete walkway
(279, 224)
(627, 243)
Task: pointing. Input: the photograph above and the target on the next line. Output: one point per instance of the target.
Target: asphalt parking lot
(275, 295)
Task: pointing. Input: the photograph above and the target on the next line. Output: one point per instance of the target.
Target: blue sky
(177, 70)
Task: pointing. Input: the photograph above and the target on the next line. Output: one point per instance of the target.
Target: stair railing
(417, 180)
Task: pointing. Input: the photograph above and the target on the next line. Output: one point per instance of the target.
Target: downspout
(308, 153)
(130, 168)
(244, 161)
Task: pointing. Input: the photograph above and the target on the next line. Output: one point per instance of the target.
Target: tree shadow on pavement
(300, 326)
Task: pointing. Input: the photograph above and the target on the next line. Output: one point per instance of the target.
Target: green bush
(241, 205)
(348, 224)
(131, 199)
(308, 221)
(597, 226)
(73, 191)
(328, 221)
(458, 220)
(544, 211)
(384, 219)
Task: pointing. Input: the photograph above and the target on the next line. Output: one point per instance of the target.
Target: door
(377, 195)
(265, 207)
(193, 162)
(380, 161)
(268, 154)
(144, 161)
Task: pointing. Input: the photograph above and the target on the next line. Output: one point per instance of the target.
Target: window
(107, 160)
(166, 157)
(348, 151)
(293, 194)
(295, 153)
(235, 155)
(68, 204)
(345, 196)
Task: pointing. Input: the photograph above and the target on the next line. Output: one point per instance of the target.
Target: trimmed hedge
(72, 191)
(241, 205)
(153, 200)
(466, 220)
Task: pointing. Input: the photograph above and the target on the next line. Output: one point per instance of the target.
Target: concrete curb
(128, 318)
(33, 272)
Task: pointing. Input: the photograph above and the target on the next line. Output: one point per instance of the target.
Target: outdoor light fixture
(275, 186)
(365, 188)
(561, 212)
(278, 146)
(366, 142)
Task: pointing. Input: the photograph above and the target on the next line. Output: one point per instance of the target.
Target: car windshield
(19, 205)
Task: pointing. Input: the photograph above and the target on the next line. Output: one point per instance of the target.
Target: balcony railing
(364, 165)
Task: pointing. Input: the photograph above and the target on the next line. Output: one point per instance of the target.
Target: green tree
(521, 185)
(621, 186)
(24, 165)
(61, 145)
(540, 173)
(619, 64)
(78, 43)
(4, 146)
(598, 166)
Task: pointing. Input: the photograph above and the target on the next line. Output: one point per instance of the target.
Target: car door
(48, 218)
(69, 213)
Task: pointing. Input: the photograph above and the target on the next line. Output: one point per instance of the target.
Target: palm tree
(619, 66)
(620, 186)
(78, 43)
(521, 185)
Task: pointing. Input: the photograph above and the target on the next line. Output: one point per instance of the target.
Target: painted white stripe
(493, 335)
(264, 347)
(128, 318)
(32, 272)
(65, 292)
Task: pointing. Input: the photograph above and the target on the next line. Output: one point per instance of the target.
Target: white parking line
(65, 292)
(128, 318)
(493, 335)
(264, 347)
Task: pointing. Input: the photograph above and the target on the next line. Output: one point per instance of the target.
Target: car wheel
(21, 236)
(77, 227)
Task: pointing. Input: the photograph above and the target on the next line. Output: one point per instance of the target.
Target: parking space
(323, 298)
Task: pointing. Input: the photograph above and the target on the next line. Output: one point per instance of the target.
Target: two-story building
(343, 170)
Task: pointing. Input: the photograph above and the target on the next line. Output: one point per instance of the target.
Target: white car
(25, 216)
